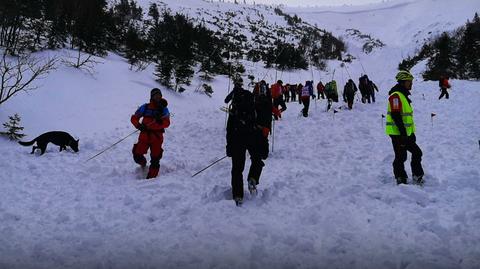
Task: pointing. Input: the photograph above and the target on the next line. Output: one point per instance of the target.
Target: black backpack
(349, 89)
(243, 108)
(363, 81)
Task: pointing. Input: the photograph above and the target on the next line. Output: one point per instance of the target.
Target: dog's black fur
(58, 138)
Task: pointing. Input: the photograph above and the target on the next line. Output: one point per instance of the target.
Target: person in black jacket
(293, 92)
(248, 127)
(349, 93)
(371, 87)
(363, 86)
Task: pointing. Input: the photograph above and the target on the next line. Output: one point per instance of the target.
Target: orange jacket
(147, 112)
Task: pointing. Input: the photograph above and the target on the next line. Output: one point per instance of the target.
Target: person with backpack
(320, 90)
(331, 93)
(248, 126)
(286, 93)
(307, 91)
(400, 126)
(155, 119)
(278, 98)
(371, 88)
(363, 86)
(298, 91)
(444, 85)
(293, 92)
(349, 93)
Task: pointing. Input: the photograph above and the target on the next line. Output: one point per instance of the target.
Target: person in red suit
(444, 85)
(155, 119)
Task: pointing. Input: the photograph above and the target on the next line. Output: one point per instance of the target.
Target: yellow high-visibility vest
(407, 117)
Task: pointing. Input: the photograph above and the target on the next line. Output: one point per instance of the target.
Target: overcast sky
(311, 2)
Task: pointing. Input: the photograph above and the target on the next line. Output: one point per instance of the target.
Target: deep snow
(327, 197)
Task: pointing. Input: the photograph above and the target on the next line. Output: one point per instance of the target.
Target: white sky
(310, 2)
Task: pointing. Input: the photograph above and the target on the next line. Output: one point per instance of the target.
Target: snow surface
(327, 197)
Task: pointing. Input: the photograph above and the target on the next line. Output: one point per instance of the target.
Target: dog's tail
(27, 143)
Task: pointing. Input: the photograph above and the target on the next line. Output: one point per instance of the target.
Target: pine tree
(469, 50)
(15, 17)
(172, 41)
(135, 47)
(59, 14)
(13, 128)
(183, 73)
(205, 73)
(442, 62)
(164, 70)
(183, 40)
(122, 18)
(89, 26)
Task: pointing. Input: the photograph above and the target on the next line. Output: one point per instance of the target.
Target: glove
(158, 118)
(142, 127)
(265, 131)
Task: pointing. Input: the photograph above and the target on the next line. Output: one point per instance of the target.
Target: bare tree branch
(139, 65)
(86, 63)
(18, 74)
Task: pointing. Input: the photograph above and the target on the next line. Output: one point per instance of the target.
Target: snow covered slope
(398, 23)
(246, 26)
(327, 198)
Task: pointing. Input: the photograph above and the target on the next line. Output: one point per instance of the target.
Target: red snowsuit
(156, 119)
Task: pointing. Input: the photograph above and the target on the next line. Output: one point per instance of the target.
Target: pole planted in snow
(112, 145)
(431, 117)
(228, 92)
(273, 135)
(210, 165)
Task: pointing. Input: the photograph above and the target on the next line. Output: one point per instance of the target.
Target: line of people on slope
(249, 125)
(282, 94)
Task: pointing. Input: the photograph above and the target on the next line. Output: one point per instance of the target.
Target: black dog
(58, 138)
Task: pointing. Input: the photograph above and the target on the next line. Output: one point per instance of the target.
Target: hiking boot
(252, 186)
(152, 173)
(140, 160)
(238, 201)
(418, 180)
(401, 180)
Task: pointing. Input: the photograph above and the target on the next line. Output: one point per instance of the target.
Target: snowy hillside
(327, 197)
(398, 23)
(249, 27)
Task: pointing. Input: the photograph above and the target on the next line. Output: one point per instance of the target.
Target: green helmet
(404, 75)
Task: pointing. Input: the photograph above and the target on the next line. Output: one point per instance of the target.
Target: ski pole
(276, 57)
(228, 92)
(348, 73)
(210, 165)
(365, 72)
(273, 135)
(112, 145)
